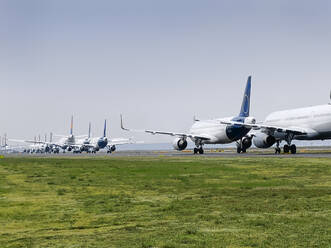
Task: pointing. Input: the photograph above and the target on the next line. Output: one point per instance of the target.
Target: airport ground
(317, 151)
(165, 201)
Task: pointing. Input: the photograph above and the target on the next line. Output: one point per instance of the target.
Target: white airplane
(95, 144)
(213, 131)
(67, 141)
(38, 146)
(310, 123)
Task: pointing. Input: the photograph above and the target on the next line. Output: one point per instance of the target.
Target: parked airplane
(310, 123)
(39, 146)
(67, 141)
(95, 144)
(212, 131)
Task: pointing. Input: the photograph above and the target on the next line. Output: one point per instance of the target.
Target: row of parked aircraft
(76, 144)
(310, 123)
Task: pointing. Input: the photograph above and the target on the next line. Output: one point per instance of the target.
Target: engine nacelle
(263, 140)
(179, 144)
(247, 142)
(250, 120)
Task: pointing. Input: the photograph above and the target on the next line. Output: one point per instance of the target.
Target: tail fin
(89, 130)
(244, 111)
(71, 125)
(104, 129)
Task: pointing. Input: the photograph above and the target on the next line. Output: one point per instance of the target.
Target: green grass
(165, 202)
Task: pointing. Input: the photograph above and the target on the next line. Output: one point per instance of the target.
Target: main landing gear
(288, 148)
(240, 147)
(198, 150)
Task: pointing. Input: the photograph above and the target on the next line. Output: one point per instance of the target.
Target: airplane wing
(184, 135)
(28, 141)
(122, 141)
(269, 128)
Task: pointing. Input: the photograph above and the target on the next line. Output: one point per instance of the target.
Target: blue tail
(104, 129)
(244, 111)
(89, 130)
(72, 125)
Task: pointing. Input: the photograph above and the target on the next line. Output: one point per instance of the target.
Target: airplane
(6, 148)
(93, 145)
(67, 141)
(38, 146)
(213, 131)
(308, 123)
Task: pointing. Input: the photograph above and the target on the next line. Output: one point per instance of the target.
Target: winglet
(245, 106)
(122, 126)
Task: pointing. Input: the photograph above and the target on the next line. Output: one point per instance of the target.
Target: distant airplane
(95, 144)
(66, 142)
(310, 123)
(213, 131)
(39, 146)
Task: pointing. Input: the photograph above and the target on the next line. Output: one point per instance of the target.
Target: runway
(304, 152)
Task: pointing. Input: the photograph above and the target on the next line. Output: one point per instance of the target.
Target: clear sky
(157, 62)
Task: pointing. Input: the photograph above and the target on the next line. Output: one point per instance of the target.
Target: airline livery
(213, 131)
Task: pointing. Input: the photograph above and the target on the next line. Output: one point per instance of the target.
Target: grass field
(165, 202)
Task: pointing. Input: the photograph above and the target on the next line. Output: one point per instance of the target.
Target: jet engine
(113, 148)
(263, 140)
(179, 144)
(246, 142)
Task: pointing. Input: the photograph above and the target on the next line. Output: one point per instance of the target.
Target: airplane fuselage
(316, 120)
(218, 133)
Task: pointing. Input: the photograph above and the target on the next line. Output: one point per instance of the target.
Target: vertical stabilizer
(89, 130)
(104, 128)
(244, 111)
(71, 125)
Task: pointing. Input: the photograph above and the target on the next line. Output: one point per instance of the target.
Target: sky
(158, 63)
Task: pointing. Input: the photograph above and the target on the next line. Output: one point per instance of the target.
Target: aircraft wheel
(195, 150)
(277, 150)
(201, 150)
(293, 149)
(238, 149)
(286, 148)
